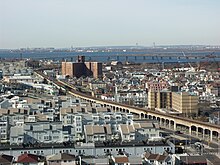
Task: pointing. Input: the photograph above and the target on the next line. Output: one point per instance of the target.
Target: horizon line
(109, 46)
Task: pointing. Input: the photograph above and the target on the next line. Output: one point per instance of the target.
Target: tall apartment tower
(185, 102)
(67, 68)
(159, 99)
(94, 69)
(182, 102)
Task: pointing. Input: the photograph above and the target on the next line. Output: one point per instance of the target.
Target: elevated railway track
(194, 127)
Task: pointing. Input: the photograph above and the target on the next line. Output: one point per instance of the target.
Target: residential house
(6, 159)
(30, 159)
(146, 130)
(135, 160)
(61, 159)
(17, 133)
(4, 131)
(119, 160)
(44, 132)
(95, 133)
(32, 132)
(95, 161)
(157, 159)
(127, 132)
(75, 121)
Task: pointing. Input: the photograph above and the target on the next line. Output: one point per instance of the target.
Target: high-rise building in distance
(182, 102)
(82, 68)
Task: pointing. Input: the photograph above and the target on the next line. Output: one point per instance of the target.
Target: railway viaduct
(197, 128)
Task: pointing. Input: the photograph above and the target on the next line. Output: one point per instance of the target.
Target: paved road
(213, 159)
(208, 147)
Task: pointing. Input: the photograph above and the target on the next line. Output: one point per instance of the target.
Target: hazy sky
(62, 23)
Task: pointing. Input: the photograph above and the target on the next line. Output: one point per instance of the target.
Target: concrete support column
(190, 130)
(169, 125)
(197, 131)
(203, 133)
(211, 135)
(139, 116)
(160, 122)
(174, 126)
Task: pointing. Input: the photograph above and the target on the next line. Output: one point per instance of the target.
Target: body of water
(131, 56)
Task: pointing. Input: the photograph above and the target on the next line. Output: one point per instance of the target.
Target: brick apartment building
(82, 68)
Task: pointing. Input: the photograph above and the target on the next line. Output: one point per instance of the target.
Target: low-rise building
(127, 132)
(4, 131)
(95, 133)
(37, 132)
(158, 159)
(6, 159)
(61, 159)
(30, 159)
(18, 78)
(146, 130)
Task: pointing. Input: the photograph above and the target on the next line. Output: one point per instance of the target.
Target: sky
(78, 23)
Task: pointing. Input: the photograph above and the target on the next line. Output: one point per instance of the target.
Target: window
(46, 137)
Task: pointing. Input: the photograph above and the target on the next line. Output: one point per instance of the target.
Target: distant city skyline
(84, 23)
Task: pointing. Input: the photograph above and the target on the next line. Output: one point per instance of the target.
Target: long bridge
(192, 127)
(149, 57)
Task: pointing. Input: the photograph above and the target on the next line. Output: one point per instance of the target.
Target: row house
(4, 131)
(75, 121)
(146, 130)
(39, 132)
(127, 132)
(95, 133)
(157, 159)
(125, 160)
